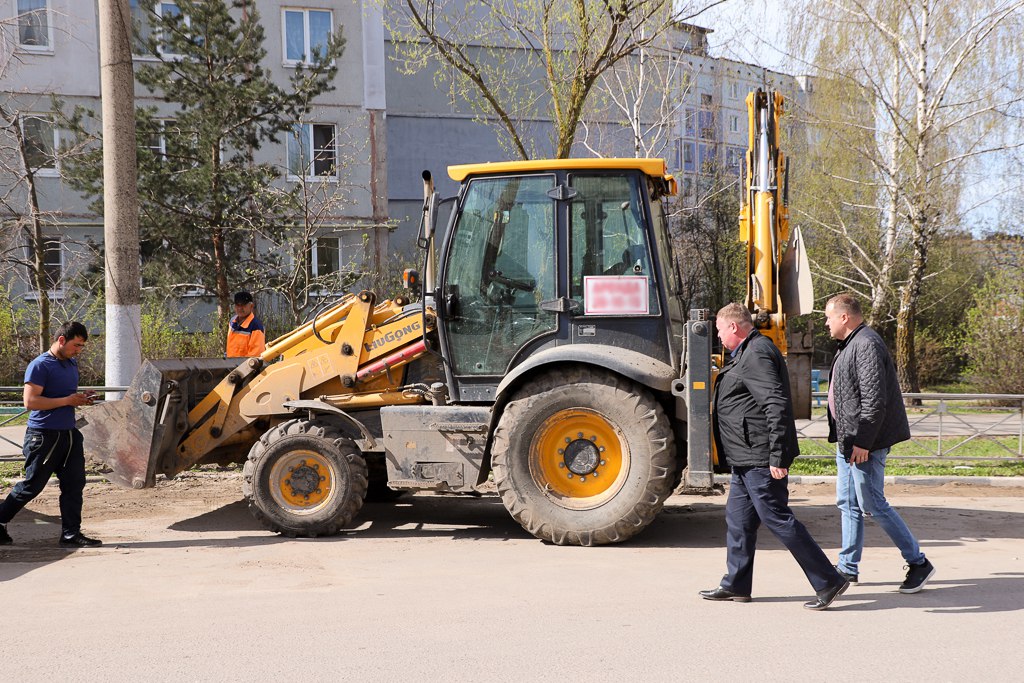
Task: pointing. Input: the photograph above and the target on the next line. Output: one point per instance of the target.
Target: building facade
(372, 135)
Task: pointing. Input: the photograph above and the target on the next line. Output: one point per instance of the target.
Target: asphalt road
(439, 588)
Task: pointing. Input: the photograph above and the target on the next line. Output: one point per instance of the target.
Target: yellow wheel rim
(579, 459)
(302, 481)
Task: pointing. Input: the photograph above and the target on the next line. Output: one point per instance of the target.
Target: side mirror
(429, 215)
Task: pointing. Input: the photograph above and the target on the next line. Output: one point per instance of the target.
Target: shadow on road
(696, 524)
(687, 522)
(997, 593)
(35, 542)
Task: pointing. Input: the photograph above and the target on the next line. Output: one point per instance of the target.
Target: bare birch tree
(943, 84)
(521, 63)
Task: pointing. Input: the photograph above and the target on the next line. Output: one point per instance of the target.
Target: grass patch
(923, 468)
(8, 471)
(954, 448)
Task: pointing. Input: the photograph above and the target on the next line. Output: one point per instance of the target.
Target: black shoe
(722, 594)
(827, 596)
(917, 577)
(5, 538)
(852, 578)
(79, 540)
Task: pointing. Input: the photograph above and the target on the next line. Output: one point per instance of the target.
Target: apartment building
(374, 134)
(51, 48)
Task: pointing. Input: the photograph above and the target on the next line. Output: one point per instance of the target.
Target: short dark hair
(70, 330)
(243, 298)
(735, 313)
(846, 303)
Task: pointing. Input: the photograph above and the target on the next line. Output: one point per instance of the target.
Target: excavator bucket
(796, 289)
(132, 436)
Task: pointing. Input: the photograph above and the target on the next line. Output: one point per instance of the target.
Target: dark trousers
(754, 497)
(49, 452)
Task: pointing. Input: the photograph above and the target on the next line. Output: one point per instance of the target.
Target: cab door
(498, 265)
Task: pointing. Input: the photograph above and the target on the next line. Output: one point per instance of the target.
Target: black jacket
(869, 406)
(752, 407)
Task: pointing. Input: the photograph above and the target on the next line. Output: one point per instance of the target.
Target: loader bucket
(132, 436)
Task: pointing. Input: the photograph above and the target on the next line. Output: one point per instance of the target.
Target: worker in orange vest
(246, 336)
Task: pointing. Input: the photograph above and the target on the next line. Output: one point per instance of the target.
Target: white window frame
(734, 123)
(161, 136)
(314, 248)
(45, 171)
(160, 149)
(310, 175)
(314, 262)
(57, 292)
(306, 47)
(48, 14)
(734, 90)
(158, 9)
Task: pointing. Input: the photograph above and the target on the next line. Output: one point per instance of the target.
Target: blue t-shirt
(58, 378)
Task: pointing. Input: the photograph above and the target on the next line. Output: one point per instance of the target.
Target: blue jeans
(860, 491)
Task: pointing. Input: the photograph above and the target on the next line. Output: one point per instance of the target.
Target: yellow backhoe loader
(545, 347)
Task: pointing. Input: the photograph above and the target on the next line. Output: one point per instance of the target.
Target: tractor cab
(543, 256)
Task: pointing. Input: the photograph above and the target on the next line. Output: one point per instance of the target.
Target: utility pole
(123, 333)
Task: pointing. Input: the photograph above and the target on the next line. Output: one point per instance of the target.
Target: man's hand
(779, 472)
(859, 455)
(79, 399)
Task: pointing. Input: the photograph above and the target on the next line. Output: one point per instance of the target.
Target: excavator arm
(777, 276)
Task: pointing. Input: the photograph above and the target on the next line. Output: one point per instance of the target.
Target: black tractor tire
(305, 478)
(583, 457)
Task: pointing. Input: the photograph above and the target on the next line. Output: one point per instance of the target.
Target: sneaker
(5, 538)
(917, 577)
(852, 578)
(79, 540)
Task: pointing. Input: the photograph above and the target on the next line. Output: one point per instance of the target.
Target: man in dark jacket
(866, 418)
(755, 433)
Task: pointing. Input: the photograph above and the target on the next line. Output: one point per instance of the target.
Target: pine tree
(203, 207)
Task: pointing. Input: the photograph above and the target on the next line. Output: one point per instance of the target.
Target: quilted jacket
(868, 404)
(753, 412)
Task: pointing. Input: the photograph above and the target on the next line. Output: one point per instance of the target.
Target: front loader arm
(347, 357)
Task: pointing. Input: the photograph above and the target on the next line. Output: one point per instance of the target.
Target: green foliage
(202, 200)
(712, 259)
(994, 334)
(921, 468)
(938, 360)
(18, 347)
(164, 337)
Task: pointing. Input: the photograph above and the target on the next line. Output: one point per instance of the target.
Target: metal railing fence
(13, 408)
(953, 426)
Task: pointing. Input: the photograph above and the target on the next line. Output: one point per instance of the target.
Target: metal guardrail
(941, 425)
(950, 426)
(12, 409)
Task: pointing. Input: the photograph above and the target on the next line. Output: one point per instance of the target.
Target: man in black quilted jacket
(755, 433)
(866, 418)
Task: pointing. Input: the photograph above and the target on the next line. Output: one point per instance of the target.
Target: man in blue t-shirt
(52, 444)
